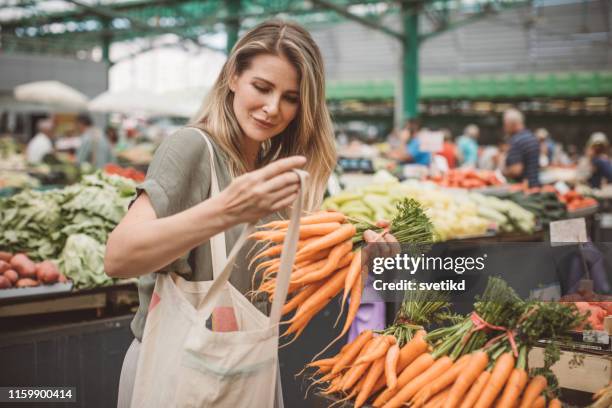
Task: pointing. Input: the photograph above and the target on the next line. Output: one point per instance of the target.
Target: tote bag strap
(217, 242)
(283, 277)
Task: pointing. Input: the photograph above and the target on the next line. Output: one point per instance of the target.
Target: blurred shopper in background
(547, 147)
(41, 144)
(523, 158)
(449, 150)
(597, 154)
(95, 148)
(467, 145)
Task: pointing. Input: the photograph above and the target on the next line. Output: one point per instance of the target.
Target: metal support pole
(410, 63)
(233, 23)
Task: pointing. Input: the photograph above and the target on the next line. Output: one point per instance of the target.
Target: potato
(47, 272)
(26, 283)
(4, 266)
(4, 282)
(24, 266)
(5, 256)
(11, 275)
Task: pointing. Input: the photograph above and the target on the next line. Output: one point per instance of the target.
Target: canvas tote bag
(183, 363)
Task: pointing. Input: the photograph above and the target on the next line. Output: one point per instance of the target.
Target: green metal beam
(410, 61)
(232, 24)
(361, 20)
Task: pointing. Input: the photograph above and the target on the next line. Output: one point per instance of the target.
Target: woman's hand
(259, 193)
(379, 245)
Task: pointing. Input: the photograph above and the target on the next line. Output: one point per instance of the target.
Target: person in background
(547, 147)
(522, 161)
(597, 153)
(41, 144)
(95, 147)
(467, 146)
(449, 150)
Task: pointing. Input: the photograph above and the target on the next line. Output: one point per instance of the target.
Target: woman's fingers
(281, 181)
(281, 166)
(284, 202)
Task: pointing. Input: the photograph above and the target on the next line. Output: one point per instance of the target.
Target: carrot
(295, 276)
(475, 367)
(353, 272)
(407, 392)
(317, 256)
(328, 290)
(346, 231)
(554, 403)
(534, 388)
(331, 265)
(377, 368)
(316, 218)
(296, 300)
(540, 402)
(418, 366)
(501, 371)
(516, 383)
(352, 351)
(391, 360)
(438, 400)
(438, 384)
(476, 389)
(351, 314)
(357, 370)
(411, 350)
(378, 352)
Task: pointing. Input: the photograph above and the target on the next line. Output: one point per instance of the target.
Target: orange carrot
(554, 403)
(357, 370)
(377, 368)
(501, 371)
(475, 366)
(438, 384)
(306, 231)
(418, 366)
(476, 389)
(346, 231)
(534, 388)
(391, 360)
(514, 388)
(351, 277)
(296, 300)
(328, 290)
(540, 402)
(308, 269)
(404, 395)
(352, 351)
(316, 218)
(378, 352)
(332, 264)
(438, 400)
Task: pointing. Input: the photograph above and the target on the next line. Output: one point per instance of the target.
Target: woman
(265, 116)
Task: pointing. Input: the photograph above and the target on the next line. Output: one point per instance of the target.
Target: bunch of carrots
(466, 365)
(328, 261)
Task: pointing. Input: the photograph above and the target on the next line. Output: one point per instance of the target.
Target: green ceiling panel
(570, 84)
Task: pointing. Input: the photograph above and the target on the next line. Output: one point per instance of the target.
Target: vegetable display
(19, 271)
(479, 361)
(454, 214)
(127, 172)
(468, 178)
(329, 260)
(75, 220)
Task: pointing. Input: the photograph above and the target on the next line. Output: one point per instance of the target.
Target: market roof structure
(73, 26)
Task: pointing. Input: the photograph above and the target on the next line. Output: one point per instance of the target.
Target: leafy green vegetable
(82, 261)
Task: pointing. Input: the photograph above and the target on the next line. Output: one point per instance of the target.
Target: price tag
(430, 141)
(568, 231)
(561, 187)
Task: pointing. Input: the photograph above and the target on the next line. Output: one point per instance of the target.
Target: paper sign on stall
(568, 231)
(430, 141)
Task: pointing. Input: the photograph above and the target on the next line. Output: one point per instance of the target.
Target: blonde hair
(309, 134)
